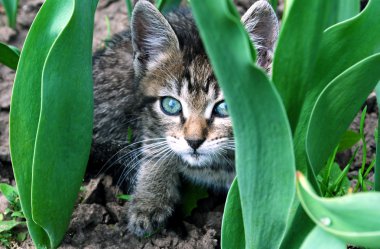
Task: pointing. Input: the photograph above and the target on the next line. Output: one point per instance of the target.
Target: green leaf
(191, 194)
(297, 51)
(125, 197)
(8, 225)
(343, 10)
(51, 116)
(353, 218)
(10, 7)
(9, 192)
(332, 60)
(259, 122)
(339, 101)
(167, 5)
(349, 139)
(319, 239)
(9, 55)
(232, 224)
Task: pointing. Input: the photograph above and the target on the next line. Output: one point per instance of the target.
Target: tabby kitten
(157, 80)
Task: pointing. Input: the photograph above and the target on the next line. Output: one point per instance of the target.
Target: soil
(99, 219)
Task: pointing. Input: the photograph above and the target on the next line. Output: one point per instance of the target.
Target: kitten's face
(189, 111)
(170, 64)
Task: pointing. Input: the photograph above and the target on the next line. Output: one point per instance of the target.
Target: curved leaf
(232, 225)
(343, 10)
(9, 55)
(264, 171)
(25, 103)
(339, 101)
(65, 127)
(51, 116)
(354, 218)
(319, 239)
(297, 50)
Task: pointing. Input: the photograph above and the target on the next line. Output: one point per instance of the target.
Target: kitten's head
(184, 104)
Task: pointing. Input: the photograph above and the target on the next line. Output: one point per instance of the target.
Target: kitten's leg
(156, 193)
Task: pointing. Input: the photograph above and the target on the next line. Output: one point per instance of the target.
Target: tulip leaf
(353, 218)
(259, 121)
(9, 55)
(339, 101)
(348, 140)
(319, 239)
(232, 225)
(343, 10)
(51, 116)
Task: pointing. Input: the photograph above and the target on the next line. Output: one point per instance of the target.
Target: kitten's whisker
(129, 168)
(123, 149)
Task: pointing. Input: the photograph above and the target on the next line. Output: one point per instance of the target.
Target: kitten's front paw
(145, 220)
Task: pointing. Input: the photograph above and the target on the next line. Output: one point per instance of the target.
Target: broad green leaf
(332, 60)
(297, 50)
(339, 101)
(353, 218)
(8, 225)
(9, 55)
(10, 7)
(9, 192)
(319, 239)
(343, 10)
(51, 116)
(259, 122)
(232, 225)
(348, 140)
(377, 164)
(25, 104)
(167, 5)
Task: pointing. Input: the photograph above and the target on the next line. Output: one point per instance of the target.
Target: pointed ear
(260, 21)
(152, 35)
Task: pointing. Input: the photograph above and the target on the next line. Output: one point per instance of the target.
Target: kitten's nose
(195, 143)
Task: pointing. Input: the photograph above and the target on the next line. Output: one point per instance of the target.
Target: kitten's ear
(152, 35)
(260, 21)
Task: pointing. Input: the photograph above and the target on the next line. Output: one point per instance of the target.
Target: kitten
(157, 80)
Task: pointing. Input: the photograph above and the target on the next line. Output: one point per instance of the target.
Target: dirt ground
(99, 220)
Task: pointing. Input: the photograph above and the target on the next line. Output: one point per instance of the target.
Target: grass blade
(10, 7)
(252, 100)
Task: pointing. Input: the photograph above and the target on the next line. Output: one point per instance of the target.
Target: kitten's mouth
(195, 158)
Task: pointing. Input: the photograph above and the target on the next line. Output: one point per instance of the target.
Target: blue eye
(171, 106)
(221, 110)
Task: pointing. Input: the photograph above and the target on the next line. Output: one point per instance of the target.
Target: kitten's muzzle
(195, 143)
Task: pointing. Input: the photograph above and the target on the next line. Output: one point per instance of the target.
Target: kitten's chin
(196, 160)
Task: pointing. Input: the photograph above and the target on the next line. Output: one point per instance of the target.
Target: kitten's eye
(221, 110)
(170, 106)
